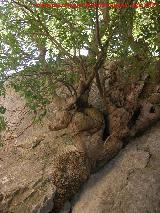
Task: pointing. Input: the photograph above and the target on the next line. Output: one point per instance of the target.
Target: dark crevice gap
(152, 109)
(106, 132)
(134, 118)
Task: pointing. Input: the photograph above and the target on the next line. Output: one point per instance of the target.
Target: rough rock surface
(129, 183)
(39, 168)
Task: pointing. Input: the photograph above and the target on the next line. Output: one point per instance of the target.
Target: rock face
(129, 183)
(39, 168)
(32, 178)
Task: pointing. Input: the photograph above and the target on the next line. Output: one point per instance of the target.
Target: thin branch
(98, 38)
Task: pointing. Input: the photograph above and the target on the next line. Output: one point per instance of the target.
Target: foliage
(42, 48)
(2, 123)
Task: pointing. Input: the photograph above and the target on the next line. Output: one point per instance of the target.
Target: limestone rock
(129, 183)
(36, 196)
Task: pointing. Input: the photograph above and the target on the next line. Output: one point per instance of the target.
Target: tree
(42, 47)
